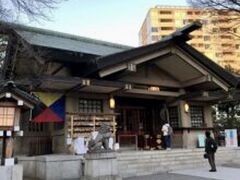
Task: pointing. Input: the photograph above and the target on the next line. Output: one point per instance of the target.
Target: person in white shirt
(167, 131)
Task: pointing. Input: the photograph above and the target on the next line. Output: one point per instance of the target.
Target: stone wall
(11, 172)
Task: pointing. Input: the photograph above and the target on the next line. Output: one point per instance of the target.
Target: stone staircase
(138, 163)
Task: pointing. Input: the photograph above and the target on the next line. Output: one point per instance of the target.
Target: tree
(232, 70)
(229, 10)
(12, 10)
(221, 18)
(227, 5)
(227, 112)
(228, 115)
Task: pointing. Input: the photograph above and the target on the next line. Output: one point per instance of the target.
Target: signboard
(201, 140)
(231, 138)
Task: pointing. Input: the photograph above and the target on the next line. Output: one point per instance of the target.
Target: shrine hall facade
(82, 82)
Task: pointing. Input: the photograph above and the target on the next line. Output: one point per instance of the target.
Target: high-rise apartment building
(219, 38)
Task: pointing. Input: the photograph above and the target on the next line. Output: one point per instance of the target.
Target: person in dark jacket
(210, 149)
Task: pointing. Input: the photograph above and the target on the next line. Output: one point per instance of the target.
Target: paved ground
(223, 173)
(229, 171)
(166, 176)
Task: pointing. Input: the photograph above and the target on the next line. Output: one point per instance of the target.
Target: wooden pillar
(208, 120)
(4, 147)
(185, 118)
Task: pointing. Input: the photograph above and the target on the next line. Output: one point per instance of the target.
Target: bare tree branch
(227, 5)
(12, 10)
(227, 11)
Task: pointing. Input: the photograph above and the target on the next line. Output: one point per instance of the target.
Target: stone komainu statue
(102, 139)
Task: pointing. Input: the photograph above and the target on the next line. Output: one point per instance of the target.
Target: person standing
(167, 132)
(210, 149)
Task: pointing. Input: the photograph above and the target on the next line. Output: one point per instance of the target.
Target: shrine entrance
(139, 123)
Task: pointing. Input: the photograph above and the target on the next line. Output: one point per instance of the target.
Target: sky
(116, 21)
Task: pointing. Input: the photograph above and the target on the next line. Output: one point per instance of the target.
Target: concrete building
(215, 39)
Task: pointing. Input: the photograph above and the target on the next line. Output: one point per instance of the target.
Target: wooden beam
(155, 93)
(136, 61)
(127, 87)
(59, 68)
(220, 84)
(132, 67)
(82, 84)
(196, 81)
(120, 74)
(202, 96)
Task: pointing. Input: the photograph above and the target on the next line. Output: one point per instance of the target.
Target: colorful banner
(52, 108)
(231, 138)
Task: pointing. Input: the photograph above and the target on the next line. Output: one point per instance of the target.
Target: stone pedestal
(52, 167)
(11, 172)
(101, 166)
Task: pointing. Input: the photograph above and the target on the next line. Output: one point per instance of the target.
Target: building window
(229, 61)
(7, 116)
(227, 53)
(189, 12)
(207, 46)
(197, 118)
(204, 21)
(166, 28)
(224, 29)
(206, 38)
(165, 12)
(218, 54)
(226, 45)
(223, 21)
(225, 37)
(173, 116)
(237, 46)
(37, 127)
(165, 20)
(154, 29)
(90, 106)
(214, 30)
(223, 13)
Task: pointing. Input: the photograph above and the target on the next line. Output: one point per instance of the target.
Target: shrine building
(81, 82)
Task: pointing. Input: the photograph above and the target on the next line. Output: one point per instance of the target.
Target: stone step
(170, 158)
(145, 170)
(127, 166)
(168, 163)
(144, 152)
(136, 163)
(155, 155)
(170, 152)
